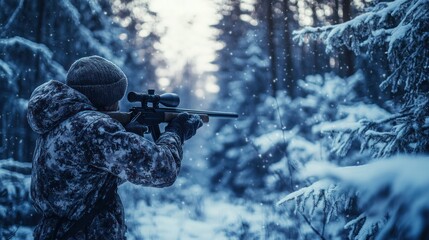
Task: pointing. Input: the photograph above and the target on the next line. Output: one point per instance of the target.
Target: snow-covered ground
(188, 210)
(209, 218)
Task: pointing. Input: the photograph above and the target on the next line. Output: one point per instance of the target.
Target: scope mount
(166, 99)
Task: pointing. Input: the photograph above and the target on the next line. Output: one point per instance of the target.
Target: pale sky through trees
(188, 36)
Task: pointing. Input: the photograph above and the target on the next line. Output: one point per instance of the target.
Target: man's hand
(136, 128)
(185, 125)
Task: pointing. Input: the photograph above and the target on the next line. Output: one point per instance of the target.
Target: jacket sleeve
(132, 157)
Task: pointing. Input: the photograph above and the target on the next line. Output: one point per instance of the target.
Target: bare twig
(289, 166)
(311, 226)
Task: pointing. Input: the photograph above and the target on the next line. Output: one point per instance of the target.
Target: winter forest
(332, 139)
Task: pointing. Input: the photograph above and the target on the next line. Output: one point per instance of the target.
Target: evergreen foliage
(41, 46)
(379, 195)
(344, 137)
(39, 40)
(15, 208)
(401, 26)
(242, 76)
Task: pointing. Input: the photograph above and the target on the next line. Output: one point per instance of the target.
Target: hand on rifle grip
(136, 128)
(185, 125)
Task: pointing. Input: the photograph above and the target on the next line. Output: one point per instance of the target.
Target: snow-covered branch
(401, 27)
(392, 195)
(24, 47)
(405, 132)
(15, 206)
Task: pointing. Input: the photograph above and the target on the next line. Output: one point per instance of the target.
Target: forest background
(332, 139)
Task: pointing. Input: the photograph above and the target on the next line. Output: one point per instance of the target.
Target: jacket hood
(53, 102)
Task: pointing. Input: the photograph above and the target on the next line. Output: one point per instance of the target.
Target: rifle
(150, 115)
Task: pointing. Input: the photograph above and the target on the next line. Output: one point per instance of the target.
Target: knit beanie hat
(100, 80)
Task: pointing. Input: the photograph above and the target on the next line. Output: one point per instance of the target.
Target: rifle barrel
(202, 112)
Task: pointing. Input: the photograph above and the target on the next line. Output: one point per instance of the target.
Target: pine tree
(376, 201)
(39, 40)
(242, 77)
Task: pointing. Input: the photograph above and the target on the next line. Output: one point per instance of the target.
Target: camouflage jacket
(77, 150)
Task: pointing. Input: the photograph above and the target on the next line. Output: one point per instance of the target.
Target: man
(82, 155)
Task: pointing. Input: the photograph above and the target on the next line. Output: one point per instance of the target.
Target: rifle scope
(166, 99)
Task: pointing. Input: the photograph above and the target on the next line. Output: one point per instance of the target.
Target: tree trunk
(289, 75)
(336, 10)
(315, 44)
(349, 58)
(272, 47)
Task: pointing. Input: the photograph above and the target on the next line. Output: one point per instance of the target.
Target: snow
(36, 47)
(397, 34)
(290, 147)
(267, 141)
(193, 213)
(315, 189)
(5, 67)
(347, 124)
(354, 114)
(73, 12)
(157, 221)
(366, 23)
(19, 44)
(403, 170)
(396, 186)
